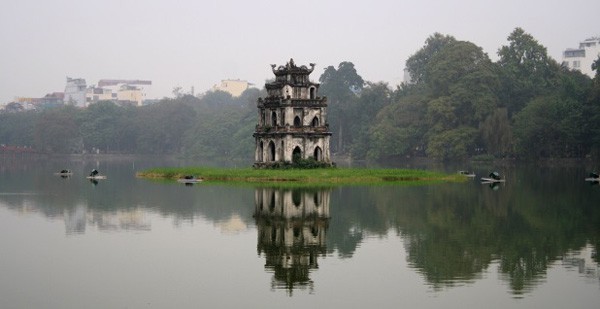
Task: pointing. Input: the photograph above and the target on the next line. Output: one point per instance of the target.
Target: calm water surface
(125, 242)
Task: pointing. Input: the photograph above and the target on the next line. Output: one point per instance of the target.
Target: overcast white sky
(198, 43)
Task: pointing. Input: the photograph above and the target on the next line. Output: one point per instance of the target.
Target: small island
(319, 176)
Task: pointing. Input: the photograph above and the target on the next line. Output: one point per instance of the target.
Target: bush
(300, 164)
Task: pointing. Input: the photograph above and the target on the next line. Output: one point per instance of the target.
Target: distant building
(126, 91)
(52, 100)
(96, 94)
(28, 103)
(234, 87)
(582, 58)
(131, 94)
(48, 101)
(120, 91)
(75, 92)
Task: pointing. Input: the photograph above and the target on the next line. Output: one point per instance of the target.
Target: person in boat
(495, 175)
(64, 171)
(93, 173)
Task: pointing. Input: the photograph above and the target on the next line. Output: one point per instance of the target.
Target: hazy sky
(198, 42)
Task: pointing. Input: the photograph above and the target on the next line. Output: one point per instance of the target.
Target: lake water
(125, 242)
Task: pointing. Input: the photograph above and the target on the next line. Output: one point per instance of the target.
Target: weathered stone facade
(292, 119)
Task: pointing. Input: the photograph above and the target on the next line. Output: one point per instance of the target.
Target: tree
(417, 63)
(341, 83)
(372, 99)
(56, 131)
(496, 133)
(526, 70)
(18, 128)
(221, 134)
(455, 144)
(177, 92)
(161, 126)
(549, 126)
(100, 126)
(399, 128)
(341, 86)
(592, 110)
(463, 86)
(217, 98)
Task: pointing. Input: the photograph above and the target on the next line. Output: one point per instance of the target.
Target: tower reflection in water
(292, 225)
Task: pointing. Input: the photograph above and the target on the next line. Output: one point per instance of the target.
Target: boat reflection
(292, 226)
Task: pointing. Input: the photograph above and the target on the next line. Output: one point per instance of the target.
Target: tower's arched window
(296, 154)
(318, 154)
(271, 151)
(273, 119)
(260, 152)
(312, 93)
(297, 122)
(315, 122)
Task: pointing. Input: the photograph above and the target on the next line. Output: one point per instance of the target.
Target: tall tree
(417, 63)
(526, 70)
(341, 86)
(372, 99)
(592, 110)
(463, 83)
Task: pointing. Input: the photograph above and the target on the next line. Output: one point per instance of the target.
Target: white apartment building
(75, 92)
(235, 87)
(582, 58)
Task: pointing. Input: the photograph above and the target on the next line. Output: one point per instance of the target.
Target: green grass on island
(317, 176)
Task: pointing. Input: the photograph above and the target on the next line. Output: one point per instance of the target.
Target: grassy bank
(331, 176)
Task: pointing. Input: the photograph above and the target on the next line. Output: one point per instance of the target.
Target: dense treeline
(460, 104)
(215, 126)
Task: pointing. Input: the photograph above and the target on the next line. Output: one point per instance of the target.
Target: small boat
(64, 173)
(493, 177)
(189, 179)
(467, 173)
(95, 175)
(593, 177)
